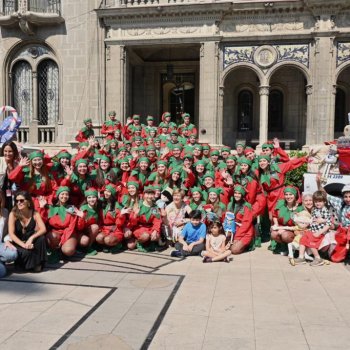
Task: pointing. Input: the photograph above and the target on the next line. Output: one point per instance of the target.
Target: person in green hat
(197, 152)
(160, 176)
(225, 152)
(61, 161)
(197, 200)
(132, 127)
(174, 141)
(105, 173)
(86, 132)
(244, 219)
(218, 208)
(206, 151)
(167, 123)
(199, 171)
(190, 143)
(142, 170)
(191, 128)
(110, 126)
(274, 150)
(214, 160)
(240, 146)
(150, 126)
(61, 226)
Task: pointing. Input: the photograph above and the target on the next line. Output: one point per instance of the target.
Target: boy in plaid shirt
(321, 222)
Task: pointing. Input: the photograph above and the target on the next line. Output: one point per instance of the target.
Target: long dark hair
(18, 215)
(13, 147)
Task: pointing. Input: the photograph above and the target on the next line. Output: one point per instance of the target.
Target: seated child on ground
(216, 248)
(191, 239)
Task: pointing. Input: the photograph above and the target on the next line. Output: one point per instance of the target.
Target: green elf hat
(162, 162)
(176, 170)
(36, 154)
(165, 115)
(244, 160)
(177, 146)
(222, 165)
(292, 190)
(185, 115)
(83, 144)
(157, 187)
(123, 160)
(137, 128)
(215, 152)
(105, 158)
(263, 156)
(209, 174)
(81, 161)
(232, 157)
(225, 149)
(142, 148)
(136, 116)
(138, 138)
(91, 192)
(199, 147)
(156, 139)
(206, 147)
(133, 183)
(143, 159)
(200, 162)
(62, 189)
(111, 189)
(148, 189)
(240, 189)
(149, 117)
(87, 120)
(122, 148)
(240, 144)
(267, 145)
(188, 156)
(64, 154)
(174, 132)
(112, 113)
(196, 189)
(150, 148)
(215, 190)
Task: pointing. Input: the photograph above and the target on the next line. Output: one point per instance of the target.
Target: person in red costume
(86, 132)
(110, 126)
(191, 129)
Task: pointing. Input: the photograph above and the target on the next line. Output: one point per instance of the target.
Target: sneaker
(299, 261)
(317, 262)
(207, 259)
(258, 242)
(175, 254)
(91, 251)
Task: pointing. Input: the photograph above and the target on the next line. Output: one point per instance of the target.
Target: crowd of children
(146, 186)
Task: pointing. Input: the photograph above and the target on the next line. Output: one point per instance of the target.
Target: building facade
(244, 69)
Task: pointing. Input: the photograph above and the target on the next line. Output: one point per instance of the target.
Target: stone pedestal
(264, 113)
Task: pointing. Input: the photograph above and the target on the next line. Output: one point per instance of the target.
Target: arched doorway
(288, 106)
(241, 106)
(342, 103)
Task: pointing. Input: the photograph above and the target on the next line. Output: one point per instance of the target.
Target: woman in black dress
(27, 231)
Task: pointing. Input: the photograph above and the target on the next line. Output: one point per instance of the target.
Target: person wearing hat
(110, 126)
(61, 226)
(174, 140)
(166, 122)
(214, 160)
(174, 156)
(78, 180)
(190, 143)
(240, 146)
(191, 128)
(246, 178)
(110, 234)
(89, 220)
(197, 200)
(198, 153)
(274, 150)
(225, 152)
(146, 129)
(249, 153)
(244, 219)
(86, 132)
(60, 163)
(33, 175)
(218, 208)
(141, 171)
(282, 216)
(160, 176)
(146, 222)
(272, 177)
(199, 171)
(132, 124)
(206, 151)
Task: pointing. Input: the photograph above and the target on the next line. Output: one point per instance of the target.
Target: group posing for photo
(148, 186)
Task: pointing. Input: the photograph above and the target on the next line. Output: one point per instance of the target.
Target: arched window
(340, 117)
(275, 111)
(22, 90)
(245, 110)
(47, 92)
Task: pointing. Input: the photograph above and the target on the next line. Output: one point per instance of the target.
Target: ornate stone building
(244, 69)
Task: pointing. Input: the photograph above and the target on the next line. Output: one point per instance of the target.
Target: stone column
(264, 91)
(208, 93)
(34, 123)
(310, 132)
(116, 80)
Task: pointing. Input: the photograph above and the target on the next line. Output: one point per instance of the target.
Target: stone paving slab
(134, 300)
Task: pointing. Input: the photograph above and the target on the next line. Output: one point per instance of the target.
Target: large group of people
(146, 186)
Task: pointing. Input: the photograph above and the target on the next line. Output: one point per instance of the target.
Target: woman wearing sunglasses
(27, 230)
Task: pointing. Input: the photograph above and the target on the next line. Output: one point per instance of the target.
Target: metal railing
(45, 6)
(8, 7)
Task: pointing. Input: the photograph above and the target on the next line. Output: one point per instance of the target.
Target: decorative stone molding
(266, 56)
(264, 90)
(308, 90)
(343, 53)
(221, 91)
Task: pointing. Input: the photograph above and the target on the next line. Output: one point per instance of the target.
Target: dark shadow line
(120, 262)
(161, 315)
(164, 257)
(65, 336)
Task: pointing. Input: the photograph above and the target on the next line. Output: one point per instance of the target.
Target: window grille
(245, 110)
(275, 111)
(9, 6)
(45, 6)
(48, 92)
(22, 85)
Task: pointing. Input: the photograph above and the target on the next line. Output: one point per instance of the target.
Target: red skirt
(310, 241)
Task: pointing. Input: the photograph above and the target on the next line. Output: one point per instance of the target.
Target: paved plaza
(133, 300)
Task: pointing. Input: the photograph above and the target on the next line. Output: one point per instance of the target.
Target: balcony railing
(40, 6)
(46, 134)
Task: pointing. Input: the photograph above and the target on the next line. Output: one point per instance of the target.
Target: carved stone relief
(343, 53)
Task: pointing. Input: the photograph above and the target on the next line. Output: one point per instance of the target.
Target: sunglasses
(20, 200)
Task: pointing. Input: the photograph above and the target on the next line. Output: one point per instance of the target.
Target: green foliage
(295, 177)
